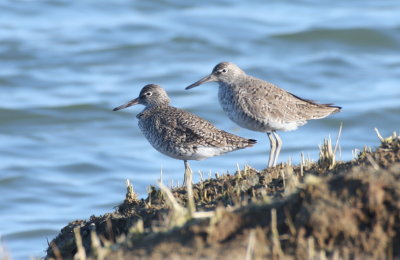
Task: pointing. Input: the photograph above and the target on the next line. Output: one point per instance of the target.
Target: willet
(261, 106)
(180, 134)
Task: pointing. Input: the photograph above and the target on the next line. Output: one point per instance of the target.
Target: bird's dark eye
(148, 93)
(223, 70)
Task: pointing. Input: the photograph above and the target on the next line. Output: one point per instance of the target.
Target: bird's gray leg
(272, 142)
(278, 147)
(188, 173)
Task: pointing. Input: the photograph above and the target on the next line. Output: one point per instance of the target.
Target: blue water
(64, 155)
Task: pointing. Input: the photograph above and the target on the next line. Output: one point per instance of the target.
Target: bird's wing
(191, 129)
(269, 101)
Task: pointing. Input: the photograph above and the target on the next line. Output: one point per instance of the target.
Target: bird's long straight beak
(209, 78)
(130, 103)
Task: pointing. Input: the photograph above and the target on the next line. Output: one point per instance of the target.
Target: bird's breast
(229, 100)
(150, 129)
(233, 104)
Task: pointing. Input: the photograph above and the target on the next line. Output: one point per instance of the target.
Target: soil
(318, 210)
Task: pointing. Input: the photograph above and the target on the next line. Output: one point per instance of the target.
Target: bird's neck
(157, 104)
(231, 84)
(233, 79)
(149, 110)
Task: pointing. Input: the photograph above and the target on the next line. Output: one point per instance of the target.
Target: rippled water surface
(64, 65)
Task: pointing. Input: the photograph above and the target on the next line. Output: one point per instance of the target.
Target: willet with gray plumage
(261, 106)
(180, 134)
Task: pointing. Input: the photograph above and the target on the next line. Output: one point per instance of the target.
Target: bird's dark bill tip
(252, 141)
(191, 86)
(130, 103)
(121, 107)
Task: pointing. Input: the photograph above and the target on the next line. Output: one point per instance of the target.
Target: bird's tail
(251, 142)
(325, 110)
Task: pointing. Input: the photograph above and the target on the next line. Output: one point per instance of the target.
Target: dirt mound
(325, 209)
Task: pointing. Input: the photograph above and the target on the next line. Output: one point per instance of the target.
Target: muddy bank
(323, 209)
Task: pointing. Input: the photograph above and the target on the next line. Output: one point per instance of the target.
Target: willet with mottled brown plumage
(261, 106)
(180, 134)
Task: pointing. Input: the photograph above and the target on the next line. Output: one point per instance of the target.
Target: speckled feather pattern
(180, 134)
(261, 106)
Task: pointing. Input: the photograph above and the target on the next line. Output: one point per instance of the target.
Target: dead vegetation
(315, 210)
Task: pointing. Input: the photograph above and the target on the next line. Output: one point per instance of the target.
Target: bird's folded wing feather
(269, 101)
(190, 128)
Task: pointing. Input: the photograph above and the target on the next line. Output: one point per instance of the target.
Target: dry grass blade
(81, 254)
(97, 249)
(179, 214)
(326, 155)
(137, 228)
(379, 135)
(372, 161)
(170, 198)
(276, 247)
(391, 142)
(251, 245)
(338, 138)
(311, 248)
(204, 214)
(130, 193)
(55, 249)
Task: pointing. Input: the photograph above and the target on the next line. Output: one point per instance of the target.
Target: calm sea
(64, 155)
